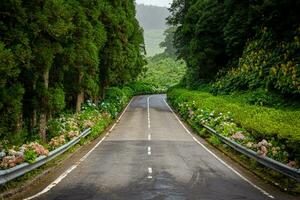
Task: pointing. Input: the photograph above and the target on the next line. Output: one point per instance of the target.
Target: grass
(266, 121)
(259, 120)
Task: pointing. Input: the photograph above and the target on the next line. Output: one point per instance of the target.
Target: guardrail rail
(19, 170)
(268, 162)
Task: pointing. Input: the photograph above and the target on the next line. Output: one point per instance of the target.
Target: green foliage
(199, 37)
(30, 156)
(264, 98)
(115, 99)
(99, 128)
(261, 122)
(141, 88)
(164, 72)
(214, 36)
(214, 140)
(265, 64)
(168, 42)
(10, 94)
(55, 54)
(54, 128)
(57, 99)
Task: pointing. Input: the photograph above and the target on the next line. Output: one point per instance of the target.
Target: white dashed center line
(150, 172)
(149, 135)
(148, 111)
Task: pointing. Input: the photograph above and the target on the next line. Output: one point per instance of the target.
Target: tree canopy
(54, 54)
(213, 36)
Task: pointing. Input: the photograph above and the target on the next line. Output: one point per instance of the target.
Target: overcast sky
(164, 3)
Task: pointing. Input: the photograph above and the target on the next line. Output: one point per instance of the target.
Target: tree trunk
(43, 124)
(33, 120)
(43, 114)
(80, 95)
(19, 124)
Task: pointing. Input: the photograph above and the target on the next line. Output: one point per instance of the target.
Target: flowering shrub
(57, 141)
(26, 153)
(265, 64)
(36, 147)
(66, 127)
(72, 134)
(225, 125)
(11, 161)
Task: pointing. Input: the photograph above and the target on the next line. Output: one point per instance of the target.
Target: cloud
(164, 3)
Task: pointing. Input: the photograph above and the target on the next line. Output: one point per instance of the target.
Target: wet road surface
(149, 155)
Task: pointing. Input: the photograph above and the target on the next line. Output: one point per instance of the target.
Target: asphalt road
(149, 155)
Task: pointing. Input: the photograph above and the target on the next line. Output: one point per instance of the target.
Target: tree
(168, 43)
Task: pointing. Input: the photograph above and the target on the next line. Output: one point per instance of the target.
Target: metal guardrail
(19, 170)
(268, 162)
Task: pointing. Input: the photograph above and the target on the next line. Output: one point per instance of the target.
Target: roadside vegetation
(243, 74)
(163, 71)
(250, 69)
(269, 131)
(67, 126)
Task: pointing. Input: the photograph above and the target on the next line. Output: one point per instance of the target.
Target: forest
(56, 54)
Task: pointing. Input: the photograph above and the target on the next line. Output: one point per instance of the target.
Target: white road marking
(149, 150)
(219, 159)
(150, 172)
(148, 112)
(61, 177)
(149, 135)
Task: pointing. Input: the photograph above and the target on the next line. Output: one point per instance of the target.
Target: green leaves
(55, 54)
(163, 71)
(214, 36)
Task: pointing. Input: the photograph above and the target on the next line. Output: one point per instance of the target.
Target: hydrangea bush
(225, 125)
(68, 126)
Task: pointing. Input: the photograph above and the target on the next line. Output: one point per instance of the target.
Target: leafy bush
(164, 72)
(54, 128)
(262, 97)
(30, 156)
(142, 88)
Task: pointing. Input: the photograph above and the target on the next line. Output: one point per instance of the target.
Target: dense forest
(55, 54)
(239, 45)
